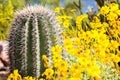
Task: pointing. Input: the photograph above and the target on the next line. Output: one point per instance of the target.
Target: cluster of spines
(31, 36)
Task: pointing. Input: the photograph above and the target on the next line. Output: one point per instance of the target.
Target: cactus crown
(32, 35)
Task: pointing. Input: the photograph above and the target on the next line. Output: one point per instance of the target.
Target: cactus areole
(32, 35)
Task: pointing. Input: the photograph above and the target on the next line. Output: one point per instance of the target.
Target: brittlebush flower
(112, 16)
(57, 58)
(29, 78)
(80, 18)
(104, 10)
(48, 73)
(113, 7)
(66, 23)
(45, 60)
(56, 49)
(14, 76)
(57, 9)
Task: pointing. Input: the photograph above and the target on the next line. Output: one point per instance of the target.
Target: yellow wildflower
(48, 73)
(66, 23)
(69, 47)
(80, 18)
(77, 75)
(93, 70)
(29, 78)
(113, 45)
(57, 9)
(104, 10)
(112, 16)
(75, 67)
(84, 61)
(65, 35)
(45, 60)
(74, 79)
(95, 23)
(56, 49)
(105, 25)
(113, 7)
(14, 76)
(118, 12)
(62, 73)
(59, 19)
(63, 65)
(56, 59)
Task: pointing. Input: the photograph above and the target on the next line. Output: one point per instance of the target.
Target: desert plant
(35, 30)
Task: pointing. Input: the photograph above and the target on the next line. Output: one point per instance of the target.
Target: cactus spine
(32, 35)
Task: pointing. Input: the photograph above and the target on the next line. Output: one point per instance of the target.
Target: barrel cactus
(34, 31)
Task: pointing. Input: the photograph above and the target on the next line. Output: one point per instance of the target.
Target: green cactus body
(32, 35)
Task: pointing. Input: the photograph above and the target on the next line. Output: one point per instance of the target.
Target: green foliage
(74, 4)
(51, 3)
(18, 4)
(31, 36)
(6, 12)
(68, 4)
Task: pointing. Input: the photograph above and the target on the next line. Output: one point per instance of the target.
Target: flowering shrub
(6, 16)
(91, 49)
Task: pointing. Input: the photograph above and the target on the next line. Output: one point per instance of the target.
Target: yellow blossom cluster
(64, 19)
(111, 12)
(16, 76)
(86, 50)
(6, 16)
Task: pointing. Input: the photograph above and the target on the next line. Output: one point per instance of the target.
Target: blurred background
(19, 4)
